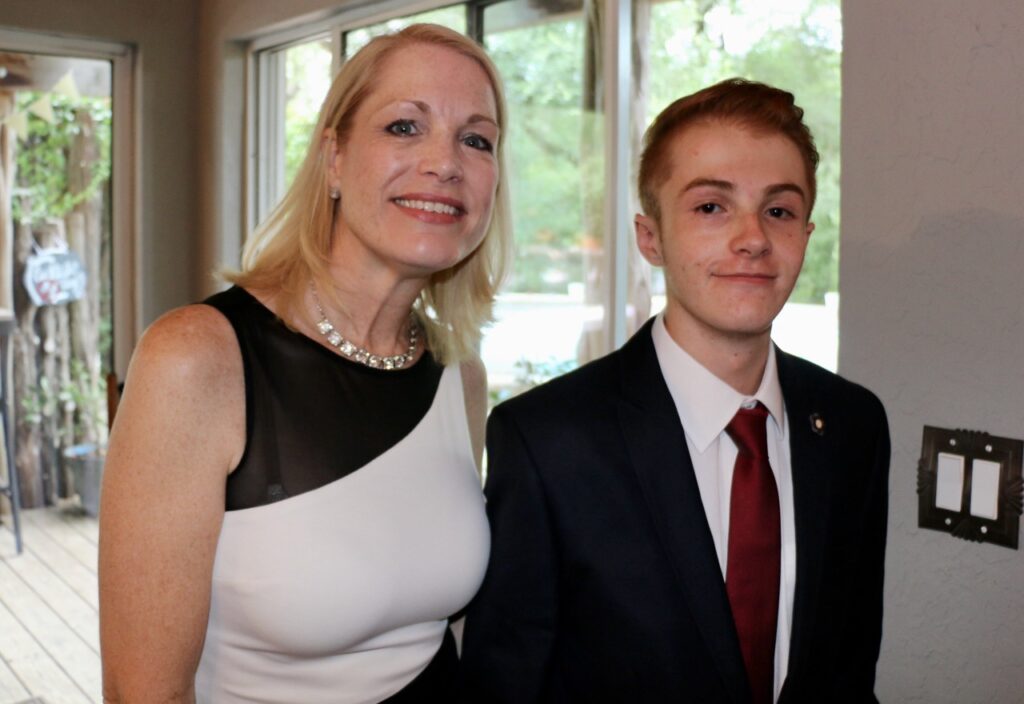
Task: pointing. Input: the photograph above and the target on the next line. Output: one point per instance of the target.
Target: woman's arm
(474, 386)
(180, 429)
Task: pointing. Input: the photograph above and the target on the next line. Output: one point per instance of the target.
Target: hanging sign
(54, 276)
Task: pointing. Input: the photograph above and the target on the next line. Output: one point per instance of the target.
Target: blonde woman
(291, 508)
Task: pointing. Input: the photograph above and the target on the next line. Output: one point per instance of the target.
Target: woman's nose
(441, 158)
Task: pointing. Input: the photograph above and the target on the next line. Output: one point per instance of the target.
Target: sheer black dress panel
(312, 416)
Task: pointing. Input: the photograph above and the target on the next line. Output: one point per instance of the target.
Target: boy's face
(733, 230)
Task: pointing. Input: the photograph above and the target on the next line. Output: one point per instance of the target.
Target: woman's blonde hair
(293, 245)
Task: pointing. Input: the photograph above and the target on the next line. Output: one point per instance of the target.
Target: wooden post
(26, 377)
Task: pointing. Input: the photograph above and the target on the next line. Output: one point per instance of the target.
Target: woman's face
(418, 170)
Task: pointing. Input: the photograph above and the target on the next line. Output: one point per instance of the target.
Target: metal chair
(10, 487)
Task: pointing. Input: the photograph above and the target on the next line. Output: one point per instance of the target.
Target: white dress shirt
(705, 405)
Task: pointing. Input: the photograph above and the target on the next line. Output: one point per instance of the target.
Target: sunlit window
(307, 77)
(550, 316)
(550, 310)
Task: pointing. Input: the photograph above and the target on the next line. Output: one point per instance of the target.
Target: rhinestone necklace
(361, 354)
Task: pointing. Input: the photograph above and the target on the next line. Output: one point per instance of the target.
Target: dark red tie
(752, 570)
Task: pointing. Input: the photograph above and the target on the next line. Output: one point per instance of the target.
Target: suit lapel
(812, 444)
(657, 449)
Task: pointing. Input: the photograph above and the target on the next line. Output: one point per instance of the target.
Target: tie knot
(748, 430)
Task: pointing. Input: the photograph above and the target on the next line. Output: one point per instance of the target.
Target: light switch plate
(969, 485)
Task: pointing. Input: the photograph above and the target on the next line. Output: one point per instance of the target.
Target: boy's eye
(779, 212)
(708, 208)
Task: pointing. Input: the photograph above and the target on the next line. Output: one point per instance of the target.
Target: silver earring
(335, 194)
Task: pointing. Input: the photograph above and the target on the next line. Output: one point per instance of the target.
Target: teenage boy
(699, 516)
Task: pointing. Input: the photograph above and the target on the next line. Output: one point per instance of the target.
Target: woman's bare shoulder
(194, 344)
(186, 376)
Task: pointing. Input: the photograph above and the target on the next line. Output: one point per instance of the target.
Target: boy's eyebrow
(713, 182)
(772, 190)
(785, 188)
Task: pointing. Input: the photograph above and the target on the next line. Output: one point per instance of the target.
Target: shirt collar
(704, 402)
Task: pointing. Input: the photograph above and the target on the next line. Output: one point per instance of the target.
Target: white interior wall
(931, 316)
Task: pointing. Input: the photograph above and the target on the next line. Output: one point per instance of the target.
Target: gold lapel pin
(817, 424)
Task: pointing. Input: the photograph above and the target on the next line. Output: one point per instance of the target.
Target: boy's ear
(648, 238)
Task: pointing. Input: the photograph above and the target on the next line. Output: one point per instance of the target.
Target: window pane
(549, 315)
(307, 79)
(795, 45)
(453, 17)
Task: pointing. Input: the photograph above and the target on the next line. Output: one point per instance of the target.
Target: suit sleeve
(510, 625)
(864, 625)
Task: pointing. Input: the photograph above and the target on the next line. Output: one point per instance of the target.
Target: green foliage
(307, 79)
(39, 403)
(80, 396)
(87, 399)
(542, 66)
(42, 158)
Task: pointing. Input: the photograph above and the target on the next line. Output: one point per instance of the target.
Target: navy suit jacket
(604, 584)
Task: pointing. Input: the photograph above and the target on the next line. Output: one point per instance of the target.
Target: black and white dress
(355, 527)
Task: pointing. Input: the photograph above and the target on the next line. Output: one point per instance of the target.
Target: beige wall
(164, 33)
(932, 310)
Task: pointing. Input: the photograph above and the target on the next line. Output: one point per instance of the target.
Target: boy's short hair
(752, 105)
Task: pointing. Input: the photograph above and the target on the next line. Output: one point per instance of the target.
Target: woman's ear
(331, 156)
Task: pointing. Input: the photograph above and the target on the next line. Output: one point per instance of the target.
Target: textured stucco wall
(932, 310)
(164, 34)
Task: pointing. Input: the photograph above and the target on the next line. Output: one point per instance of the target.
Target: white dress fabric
(341, 594)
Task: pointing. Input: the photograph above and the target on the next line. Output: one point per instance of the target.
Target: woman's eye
(402, 128)
(475, 141)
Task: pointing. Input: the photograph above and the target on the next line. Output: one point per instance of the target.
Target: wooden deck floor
(49, 624)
